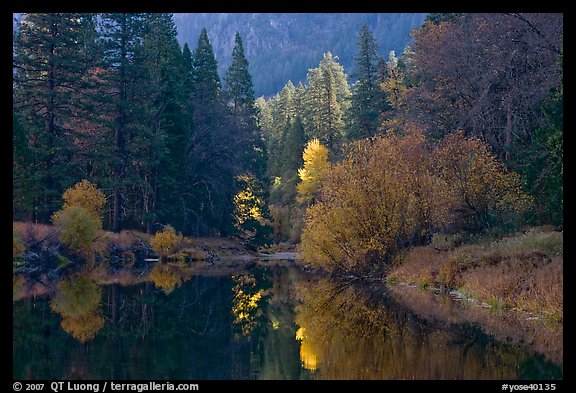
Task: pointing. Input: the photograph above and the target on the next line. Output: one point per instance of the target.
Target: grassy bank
(524, 271)
(39, 244)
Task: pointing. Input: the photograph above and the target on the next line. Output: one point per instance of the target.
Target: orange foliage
(394, 191)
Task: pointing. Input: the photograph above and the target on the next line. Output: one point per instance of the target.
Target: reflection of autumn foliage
(308, 354)
(85, 328)
(78, 301)
(351, 332)
(166, 277)
(245, 303)
(394, 191)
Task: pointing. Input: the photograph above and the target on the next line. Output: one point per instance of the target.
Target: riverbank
(523, 272)
(36, 247)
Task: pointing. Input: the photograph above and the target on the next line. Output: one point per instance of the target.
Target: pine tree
(52, 57)
(293, 143)
(326, 95)
(239, 93)
(367, 98)
(122, 56)
(160, 149)
(210, 164)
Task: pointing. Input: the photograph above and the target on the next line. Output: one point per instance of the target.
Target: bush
(78, 228)
(393, 192)
(378, 200)
(166, 242)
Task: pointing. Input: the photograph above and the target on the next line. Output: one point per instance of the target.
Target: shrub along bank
(524, 271)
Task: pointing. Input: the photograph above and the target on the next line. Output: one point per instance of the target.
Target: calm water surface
(267, 322)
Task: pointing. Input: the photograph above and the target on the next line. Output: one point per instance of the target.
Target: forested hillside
(281, 47)
(114, 99)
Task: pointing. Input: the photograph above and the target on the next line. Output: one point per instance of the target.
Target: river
(268, 321)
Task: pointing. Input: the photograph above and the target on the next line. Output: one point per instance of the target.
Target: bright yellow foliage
(166, 242)
(85, 194)
(315, 157)
(79, 220)
(247, 204)
(245, 303)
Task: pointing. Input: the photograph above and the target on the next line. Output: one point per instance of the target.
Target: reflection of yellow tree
(308, 354)
(166, 277)
(77, 300)
(347, 333)
(85, 328)
(245, 303)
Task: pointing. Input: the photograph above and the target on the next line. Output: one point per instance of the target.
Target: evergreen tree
(160, 152)
(51, 58)
(367, 98)
(121, 41)
(326, 95)
(210, 166)
(239, 94)
(294, 141)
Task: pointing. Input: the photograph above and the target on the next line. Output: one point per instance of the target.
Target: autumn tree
(483, 192)
(393, 192)
(252, 218)
(166, 242)
(312, 174)
(80, 219)
(487, 74)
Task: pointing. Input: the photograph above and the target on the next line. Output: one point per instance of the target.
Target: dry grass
(420, 266)
(523, 271)
(31, 233)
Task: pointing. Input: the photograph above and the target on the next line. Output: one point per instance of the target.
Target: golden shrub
(380, 197)
(395, 191)
(166, 242)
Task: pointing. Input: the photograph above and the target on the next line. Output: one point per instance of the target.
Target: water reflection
(352, 332)
(78, 301)
(246, 303)
(271, 322)
(166, 276)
